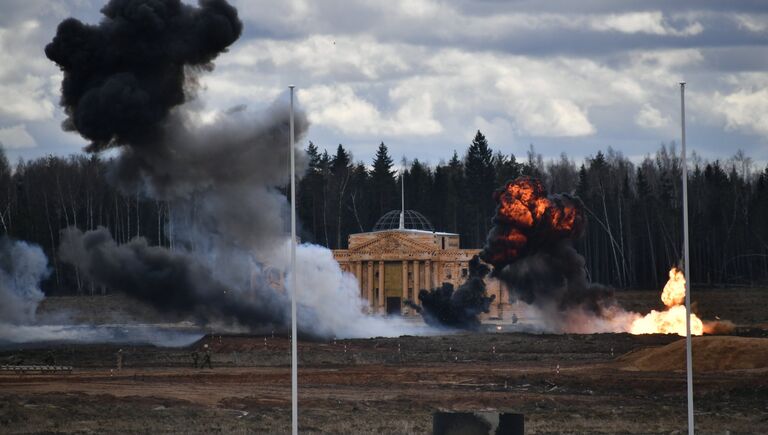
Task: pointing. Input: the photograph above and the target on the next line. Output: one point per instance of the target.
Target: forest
(634, 231)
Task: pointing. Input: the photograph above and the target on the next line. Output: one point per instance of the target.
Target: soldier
(120, 360)
(206, 357)
(195, 358)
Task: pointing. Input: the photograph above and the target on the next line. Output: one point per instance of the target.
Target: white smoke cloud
(334, 297)
(22, 267)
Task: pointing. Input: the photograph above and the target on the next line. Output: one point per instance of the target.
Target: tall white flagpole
(687, 271)
(294, 290)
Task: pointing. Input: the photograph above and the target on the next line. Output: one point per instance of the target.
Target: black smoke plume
(221, 177)
(125, 84)
(531, 248)
(173, 282)
(459, 308)
(123, 76)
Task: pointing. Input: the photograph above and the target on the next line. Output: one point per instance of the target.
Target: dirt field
(562, 383)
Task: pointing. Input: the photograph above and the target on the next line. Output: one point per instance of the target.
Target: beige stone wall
(426, 260)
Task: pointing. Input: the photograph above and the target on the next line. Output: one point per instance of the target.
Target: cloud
(340, 108)
(555, 117)
(752, 22)
(425, 74)
(363, 86)
(25, 79)
(16, 137)
(351, 58)
(652, 23)
(744, 109)
(650, 117)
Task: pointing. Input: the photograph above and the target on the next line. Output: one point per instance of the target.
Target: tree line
(634, 209)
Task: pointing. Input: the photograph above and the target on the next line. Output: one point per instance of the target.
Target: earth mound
(710, 354)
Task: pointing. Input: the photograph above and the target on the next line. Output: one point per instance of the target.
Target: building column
(428, 275)
(380, 302)
(416, 284)
(369, 287)
(359, 274)
(405, 279)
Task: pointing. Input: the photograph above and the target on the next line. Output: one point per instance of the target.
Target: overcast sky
(424, 75)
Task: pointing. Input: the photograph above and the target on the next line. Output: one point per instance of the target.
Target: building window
(464, 272)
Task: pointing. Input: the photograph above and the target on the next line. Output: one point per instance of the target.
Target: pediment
(392, 243)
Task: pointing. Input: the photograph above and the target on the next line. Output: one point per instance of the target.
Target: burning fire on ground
(671, 320)
(531, 249)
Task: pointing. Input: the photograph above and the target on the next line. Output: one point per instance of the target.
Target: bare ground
(562, 383)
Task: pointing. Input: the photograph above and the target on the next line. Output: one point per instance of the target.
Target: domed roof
(413, 220)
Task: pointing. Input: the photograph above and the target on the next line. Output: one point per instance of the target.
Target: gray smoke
(22, 267)
(128, 84)
(173, 282)
(556, 277)
(221, 178)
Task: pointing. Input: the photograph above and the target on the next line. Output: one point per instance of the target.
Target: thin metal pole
(294, 290)
(687, 269)
(402, 198)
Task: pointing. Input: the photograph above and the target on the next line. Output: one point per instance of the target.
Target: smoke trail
(22, 267)
(531, 249)
(125, 82)
(443, 306)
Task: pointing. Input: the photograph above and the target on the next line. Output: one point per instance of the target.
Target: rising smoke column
(531, 249)
(129, 83)
(22, 267)
(125, 82)
(460, 308)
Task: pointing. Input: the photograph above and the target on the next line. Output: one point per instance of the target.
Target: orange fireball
(671, 320)
(527, 219)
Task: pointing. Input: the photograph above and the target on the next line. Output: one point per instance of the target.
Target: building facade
(393, 264)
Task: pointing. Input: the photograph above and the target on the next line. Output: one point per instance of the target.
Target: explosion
(531, 250)
(672, 320)
(526, 218)
(130, 83)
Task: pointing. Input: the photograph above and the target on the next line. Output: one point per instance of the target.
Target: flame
(526, 219)
(524, 203)
(674, 291)
(671, 320)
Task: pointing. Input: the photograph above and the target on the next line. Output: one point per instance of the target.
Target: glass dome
(413, 220)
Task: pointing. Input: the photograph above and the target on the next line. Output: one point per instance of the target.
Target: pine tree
(359, 199)
(341, 171)
(418, 179)
(383, 183)
(481, 182)
(506, 168)
(310, 196)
